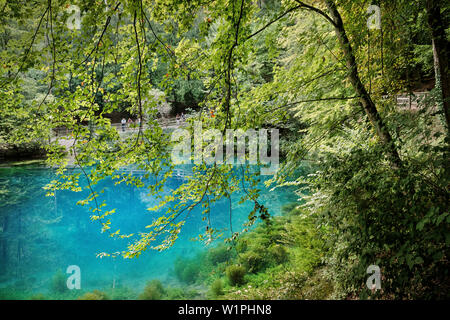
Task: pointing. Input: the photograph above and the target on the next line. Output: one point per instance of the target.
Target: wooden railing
(409, 101)
(127, 128)
(177, 173)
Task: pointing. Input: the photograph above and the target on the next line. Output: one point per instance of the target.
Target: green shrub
(241, 245)
(278, 253)
(94, 295)
(235, 274)
(217, 288)
(289, 208)
(218, 255)
(122, 293)
(393, 218)
(154, 290)
(176, 293)
(59, 282)
(253, 261)
(190, 273)
(319, 286)
(186, 270)
(178, 267)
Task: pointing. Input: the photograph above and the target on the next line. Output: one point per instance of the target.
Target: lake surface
(41, 235)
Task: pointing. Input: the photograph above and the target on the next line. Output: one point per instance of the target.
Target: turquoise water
(40, 235)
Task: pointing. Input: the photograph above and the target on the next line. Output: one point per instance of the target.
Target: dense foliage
(372, 173)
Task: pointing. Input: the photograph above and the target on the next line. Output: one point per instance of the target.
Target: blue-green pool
(41, 235)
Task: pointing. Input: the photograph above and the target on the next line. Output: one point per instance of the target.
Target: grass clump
(122, 293)
(177, 293)
(59, 284)
(235, 275)
(278, 253)
(253, 260)
(217, 288)
(186, 270)
(219, 254)
(154, 290)
(94, 295)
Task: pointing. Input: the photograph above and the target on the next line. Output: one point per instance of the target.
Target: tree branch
(273, 21)
(317, 10)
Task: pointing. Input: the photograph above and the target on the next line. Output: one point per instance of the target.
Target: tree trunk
(441, 53)
(365, 98)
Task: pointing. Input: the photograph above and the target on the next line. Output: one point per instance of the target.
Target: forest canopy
(332, 76)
